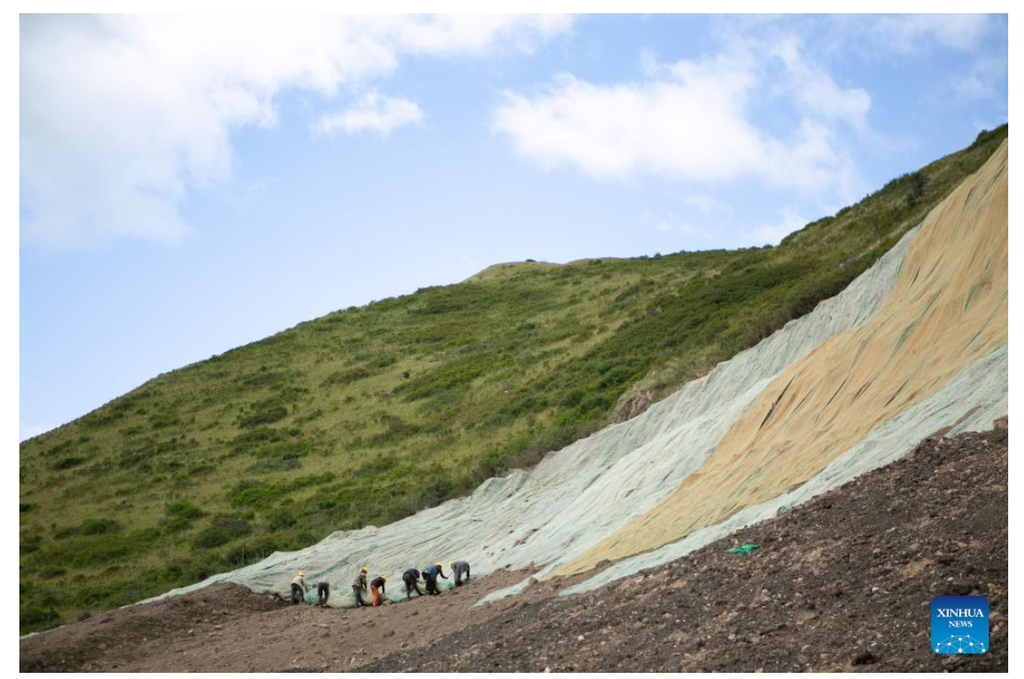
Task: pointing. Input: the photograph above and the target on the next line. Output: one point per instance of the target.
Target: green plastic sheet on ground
(743, 550)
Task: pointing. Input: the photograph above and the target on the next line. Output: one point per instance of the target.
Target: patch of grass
(90, 526)
(34, 619)
(104, 548)
(341, 378)
(267, 411)
(222, 530)
(184, 509)
(67, 462)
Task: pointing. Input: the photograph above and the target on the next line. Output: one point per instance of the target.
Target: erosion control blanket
(916, 344)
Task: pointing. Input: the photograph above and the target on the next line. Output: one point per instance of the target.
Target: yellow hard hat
(383, 577)
(438, 564)
(451, 564)
(365, 569)
(302, 574)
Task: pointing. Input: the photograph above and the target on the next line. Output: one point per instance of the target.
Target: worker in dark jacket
(359, 586)
(410, 578)
(323, 591)
(377, 589)
(430, 575)
(461, 569)
(299, 588)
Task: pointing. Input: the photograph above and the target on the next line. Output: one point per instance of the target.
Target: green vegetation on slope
(370, 414)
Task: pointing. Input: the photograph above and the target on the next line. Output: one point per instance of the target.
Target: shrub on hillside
(67, 462)
(266, 411)
(222, 530)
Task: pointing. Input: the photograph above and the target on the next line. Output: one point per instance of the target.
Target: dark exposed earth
(842, 583)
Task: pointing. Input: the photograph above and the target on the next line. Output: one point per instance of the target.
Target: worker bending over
(299, 588)
(359, 586)
(410, 578)
(460, 568)
(323, 591)
(430, 575)
(377, 588)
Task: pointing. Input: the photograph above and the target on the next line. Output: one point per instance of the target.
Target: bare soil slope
(842, 583)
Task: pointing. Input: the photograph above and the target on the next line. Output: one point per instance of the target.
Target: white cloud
(816, 91)
(705, 204)
(983, 81)
(691, 122)
(122, 115)
(371, 113)
(912, 32)
(477, 33)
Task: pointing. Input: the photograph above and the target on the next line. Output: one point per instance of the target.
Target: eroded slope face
(586, 491)
(947, 310)
(919, 340)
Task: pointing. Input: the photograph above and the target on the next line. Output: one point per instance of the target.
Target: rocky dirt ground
(227, 628)
(842, 583)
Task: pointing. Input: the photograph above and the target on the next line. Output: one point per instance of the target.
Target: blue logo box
(960, 624)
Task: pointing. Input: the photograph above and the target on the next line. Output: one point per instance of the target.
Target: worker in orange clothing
(377, 589)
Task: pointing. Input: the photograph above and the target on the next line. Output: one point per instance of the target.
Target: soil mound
(117, 639)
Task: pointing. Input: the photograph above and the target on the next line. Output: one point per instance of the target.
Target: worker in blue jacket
(430, 575)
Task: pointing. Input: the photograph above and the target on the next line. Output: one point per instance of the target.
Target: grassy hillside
(369, 414)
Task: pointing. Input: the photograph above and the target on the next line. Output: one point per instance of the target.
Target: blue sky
(191, 184)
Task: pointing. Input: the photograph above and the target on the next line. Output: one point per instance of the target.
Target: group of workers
(377, 586)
